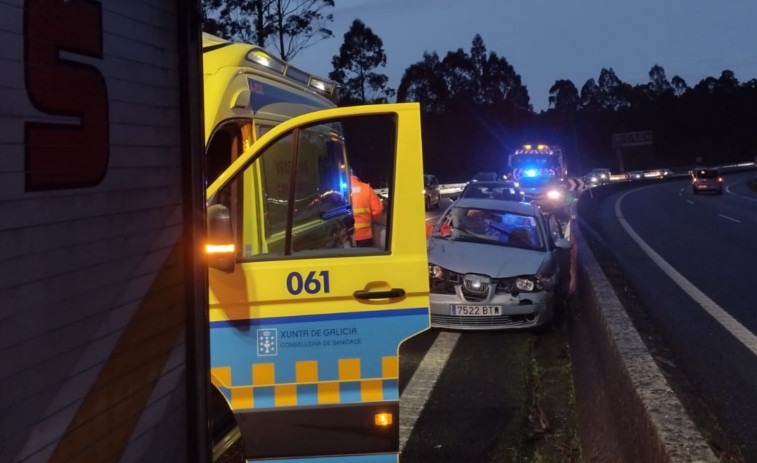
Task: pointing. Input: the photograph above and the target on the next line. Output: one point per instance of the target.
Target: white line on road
(728, 190)
(419, 387)
(730, 218)
(739, 331)
(690, 201)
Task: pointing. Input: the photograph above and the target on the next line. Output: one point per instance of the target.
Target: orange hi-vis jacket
(366, 207)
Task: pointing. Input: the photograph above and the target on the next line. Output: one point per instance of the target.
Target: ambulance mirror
(220, 251)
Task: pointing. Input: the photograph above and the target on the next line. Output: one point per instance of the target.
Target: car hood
(489, 259)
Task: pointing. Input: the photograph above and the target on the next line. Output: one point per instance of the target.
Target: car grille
(505, 285)
(501, 286)
(446, 286)
(503, 320)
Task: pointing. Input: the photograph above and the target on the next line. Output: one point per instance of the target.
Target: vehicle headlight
(435, 272)
(554, 194)
(528, 284)
(593, 179)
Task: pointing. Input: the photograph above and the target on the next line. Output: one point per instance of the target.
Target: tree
(299, 24)
(242, 20)
(590, 97)
(658, 83)
(463, 79)
(563, 96)
(613, 93)
(354, 68)
(679, 86)
(286, 26)
(423, 82)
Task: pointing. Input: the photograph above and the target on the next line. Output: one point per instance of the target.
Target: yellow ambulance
(305, 328)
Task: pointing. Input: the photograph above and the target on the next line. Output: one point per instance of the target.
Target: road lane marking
(419, 388)
(728, 190)
(690, 201)
(739, 331)
(730, 218)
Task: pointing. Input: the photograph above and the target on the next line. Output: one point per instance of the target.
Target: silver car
(495, 265)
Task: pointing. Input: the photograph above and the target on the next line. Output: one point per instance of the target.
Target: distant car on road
(706, 180)
(635, 175)
(598, 177)
(503, 189)
(496, 265)
(654, 173)
(431, 191)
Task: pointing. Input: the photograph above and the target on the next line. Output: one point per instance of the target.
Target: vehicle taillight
(720, 179)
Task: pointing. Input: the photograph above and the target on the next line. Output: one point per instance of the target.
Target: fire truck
(541, 171)
(147, 259)
(538, 161)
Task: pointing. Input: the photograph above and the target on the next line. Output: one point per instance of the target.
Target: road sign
(620, 140)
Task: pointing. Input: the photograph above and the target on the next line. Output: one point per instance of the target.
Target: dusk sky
(547, 40)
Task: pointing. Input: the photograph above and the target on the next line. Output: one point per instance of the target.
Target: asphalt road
(691, 262)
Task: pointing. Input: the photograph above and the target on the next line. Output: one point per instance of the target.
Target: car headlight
(528, 284)
(554, 194)
(435, 272)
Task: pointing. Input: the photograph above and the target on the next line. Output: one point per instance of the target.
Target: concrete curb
(627, 411)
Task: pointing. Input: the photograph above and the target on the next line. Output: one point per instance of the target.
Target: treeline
(476, 109)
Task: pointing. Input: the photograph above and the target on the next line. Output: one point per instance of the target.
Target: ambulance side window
(294, 198)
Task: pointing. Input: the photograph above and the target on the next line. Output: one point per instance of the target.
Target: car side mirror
(562, 243)
(220, 251)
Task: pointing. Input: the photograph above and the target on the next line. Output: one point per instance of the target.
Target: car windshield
(503, 192)
(491, 227)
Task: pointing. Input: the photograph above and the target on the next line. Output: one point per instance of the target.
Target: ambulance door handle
(392, 293)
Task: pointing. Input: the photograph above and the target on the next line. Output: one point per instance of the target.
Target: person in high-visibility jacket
(366, 207)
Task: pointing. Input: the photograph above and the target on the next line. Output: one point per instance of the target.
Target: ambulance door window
(322, 216)
(296, 195)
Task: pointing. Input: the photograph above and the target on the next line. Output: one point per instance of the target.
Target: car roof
(498, 205)
(492, 184)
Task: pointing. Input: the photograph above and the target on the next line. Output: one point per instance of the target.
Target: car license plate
(475, 310)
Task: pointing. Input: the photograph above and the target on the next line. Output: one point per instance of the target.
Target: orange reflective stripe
(362, 225)
(361, 210)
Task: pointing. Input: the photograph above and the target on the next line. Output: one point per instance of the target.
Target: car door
(305, 328)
